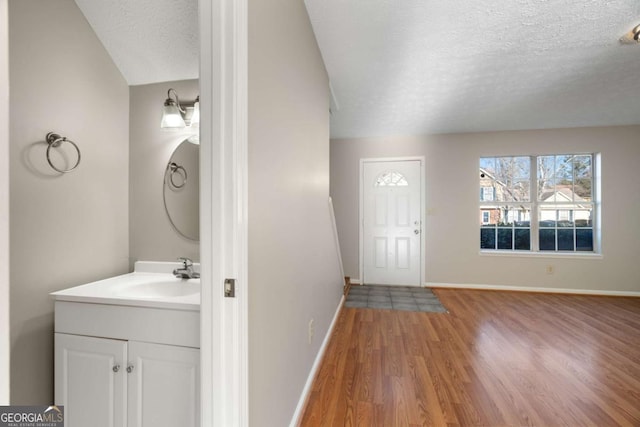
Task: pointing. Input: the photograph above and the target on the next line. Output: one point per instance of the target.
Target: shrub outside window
(537, 203)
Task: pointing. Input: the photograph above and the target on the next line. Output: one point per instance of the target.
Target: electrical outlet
(312, 330)
(551, 269)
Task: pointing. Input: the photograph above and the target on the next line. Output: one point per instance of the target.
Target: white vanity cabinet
(127, 366)
(90, 380)
(164, 386)
(111, 383)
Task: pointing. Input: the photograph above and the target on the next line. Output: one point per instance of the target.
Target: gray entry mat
(406, 298)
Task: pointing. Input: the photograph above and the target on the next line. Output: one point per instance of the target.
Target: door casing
(4, 204)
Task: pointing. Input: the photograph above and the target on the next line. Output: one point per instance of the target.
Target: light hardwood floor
(497, 359)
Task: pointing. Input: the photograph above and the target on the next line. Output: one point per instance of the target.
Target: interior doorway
(391, 219)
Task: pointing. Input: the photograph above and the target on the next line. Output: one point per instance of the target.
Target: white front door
(391, 222)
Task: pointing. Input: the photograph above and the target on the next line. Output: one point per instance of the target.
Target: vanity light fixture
(195, 117)
(631, 37)
(176, 115)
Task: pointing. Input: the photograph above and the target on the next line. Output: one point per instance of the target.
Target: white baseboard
(295, 420)
(355, 281)
(534, 289)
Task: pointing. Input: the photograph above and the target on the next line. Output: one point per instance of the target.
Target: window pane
(487, 179)
(505, 179)
(547, 213)
(522, 239)
(488, 237)
(547, 239)
(582, 215)
(511, 174)
(546, 178)
(564, 178)
(391, 179)
(510, 215)
(565, 240)
(521, 189)
(505, 216)
(505, 238)
(488, 164)
(584, 239)
(582, 177)
(500, 223)
(523, 164)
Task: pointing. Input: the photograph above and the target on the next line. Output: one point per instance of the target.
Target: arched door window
(391, 179)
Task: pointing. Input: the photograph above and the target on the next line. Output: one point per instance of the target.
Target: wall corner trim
(600, 292)
(302, 402)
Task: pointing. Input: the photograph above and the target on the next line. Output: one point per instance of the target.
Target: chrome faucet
(186, 272)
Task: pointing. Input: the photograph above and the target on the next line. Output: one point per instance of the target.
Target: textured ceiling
(150, 41)
(424, 66)
(441, 66)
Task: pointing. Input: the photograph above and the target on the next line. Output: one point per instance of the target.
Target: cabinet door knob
(129, 369)
(116, 368)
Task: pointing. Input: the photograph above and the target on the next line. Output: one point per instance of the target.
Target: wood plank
(497, 358)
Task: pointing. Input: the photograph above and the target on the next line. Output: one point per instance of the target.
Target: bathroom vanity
(127, 350)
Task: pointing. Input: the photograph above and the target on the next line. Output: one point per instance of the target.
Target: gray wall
(452, 229)
(65, 229)
(151, 236)
(293, 267)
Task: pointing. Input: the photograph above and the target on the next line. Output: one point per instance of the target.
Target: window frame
(534, 205)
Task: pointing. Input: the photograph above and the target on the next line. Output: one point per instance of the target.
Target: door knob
(129, 369)
(116, 368)
(416, 231)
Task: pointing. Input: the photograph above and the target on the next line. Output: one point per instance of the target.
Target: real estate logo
(31, 416)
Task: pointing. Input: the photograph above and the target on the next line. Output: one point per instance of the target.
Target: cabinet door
(88, 381)
(164, 386)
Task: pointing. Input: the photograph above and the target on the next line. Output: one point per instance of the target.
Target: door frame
(224, 329)
(423, 186)
(5, 339)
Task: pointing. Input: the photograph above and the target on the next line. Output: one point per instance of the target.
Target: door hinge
(230, 288)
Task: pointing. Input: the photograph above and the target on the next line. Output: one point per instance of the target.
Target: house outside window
(537, 203)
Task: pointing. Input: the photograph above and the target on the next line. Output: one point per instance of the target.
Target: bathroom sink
(160, 289)
(150, 285)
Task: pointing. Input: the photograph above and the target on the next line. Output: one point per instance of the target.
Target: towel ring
(175, 169)
(54, 140)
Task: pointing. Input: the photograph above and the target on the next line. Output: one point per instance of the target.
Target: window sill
(529, 254)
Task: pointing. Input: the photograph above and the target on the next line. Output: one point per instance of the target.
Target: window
(486, 217)
(487, 194)
(537, 203)
(391, 179)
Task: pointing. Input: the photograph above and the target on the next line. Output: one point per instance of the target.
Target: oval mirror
(181, 192)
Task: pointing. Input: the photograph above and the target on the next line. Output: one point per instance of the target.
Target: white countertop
(150, 285)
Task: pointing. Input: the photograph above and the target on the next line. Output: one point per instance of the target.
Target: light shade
(171, 117)
(195, 117)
